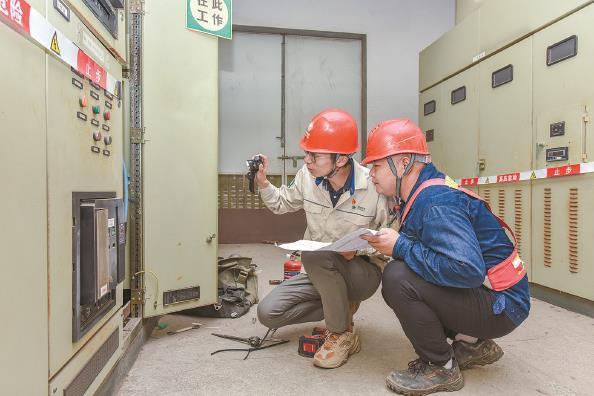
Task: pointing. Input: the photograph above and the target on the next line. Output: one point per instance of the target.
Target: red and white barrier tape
(19, 15)
(568, 170)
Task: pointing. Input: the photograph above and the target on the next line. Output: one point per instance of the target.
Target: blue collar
(429, 172)
(350, 181)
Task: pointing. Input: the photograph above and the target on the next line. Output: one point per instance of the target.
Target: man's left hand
(383, 241)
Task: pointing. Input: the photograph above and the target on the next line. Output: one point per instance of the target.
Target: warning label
(54, 46)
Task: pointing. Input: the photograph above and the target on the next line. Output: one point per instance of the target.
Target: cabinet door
(180, 186)
(563, 61)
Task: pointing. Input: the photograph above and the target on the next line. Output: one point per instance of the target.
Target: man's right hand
(260, 178)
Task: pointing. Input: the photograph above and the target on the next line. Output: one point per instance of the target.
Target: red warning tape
(19, 15)
(567, 170)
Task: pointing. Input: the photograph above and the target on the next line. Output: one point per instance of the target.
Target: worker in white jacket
(338, 197)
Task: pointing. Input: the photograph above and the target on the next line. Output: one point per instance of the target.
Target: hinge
(586, 117)
(137, 136)
(136, 6)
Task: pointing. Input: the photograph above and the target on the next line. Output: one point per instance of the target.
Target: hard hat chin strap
(335, 169)
(425, 159)
(399, 178)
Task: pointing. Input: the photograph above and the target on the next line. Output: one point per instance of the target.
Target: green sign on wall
(210, 16)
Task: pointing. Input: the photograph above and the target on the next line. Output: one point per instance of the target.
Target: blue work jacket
(451, 239)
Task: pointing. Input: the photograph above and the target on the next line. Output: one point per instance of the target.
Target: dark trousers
(429, 314)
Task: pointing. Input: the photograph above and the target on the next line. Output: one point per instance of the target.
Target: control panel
(94, 112)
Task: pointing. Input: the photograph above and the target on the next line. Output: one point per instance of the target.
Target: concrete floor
(552, 353)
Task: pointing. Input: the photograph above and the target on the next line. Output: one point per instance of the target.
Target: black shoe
(481, 353)
(423, 378)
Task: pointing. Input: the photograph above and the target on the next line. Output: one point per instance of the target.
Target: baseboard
(132, 345)
(563, 300)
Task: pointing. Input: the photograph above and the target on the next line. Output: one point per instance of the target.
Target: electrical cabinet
(534, 103)
(563, 60)
(62, 114)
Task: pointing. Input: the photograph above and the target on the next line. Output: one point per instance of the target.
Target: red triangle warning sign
(54, 46)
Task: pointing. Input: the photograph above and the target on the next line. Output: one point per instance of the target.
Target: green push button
(96, 109)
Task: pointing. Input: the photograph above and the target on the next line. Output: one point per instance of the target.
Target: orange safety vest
(501, 276)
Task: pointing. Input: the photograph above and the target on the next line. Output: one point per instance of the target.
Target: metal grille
(487, 196)
(234, 191)
(518, 218)
(501, 203)
(181, 295)
(91, 370)
(136, 175)
(547, 227)
(573, 230)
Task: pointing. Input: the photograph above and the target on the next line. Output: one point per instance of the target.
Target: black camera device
(253, 168)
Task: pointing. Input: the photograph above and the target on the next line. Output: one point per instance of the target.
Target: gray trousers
(331, 283)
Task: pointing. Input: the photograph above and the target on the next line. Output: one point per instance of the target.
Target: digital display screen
(557, 154)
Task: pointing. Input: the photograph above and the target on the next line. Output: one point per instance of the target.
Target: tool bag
(237, 289)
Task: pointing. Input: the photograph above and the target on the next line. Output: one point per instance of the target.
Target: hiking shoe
(321, 331)
(336, 350)
(422, 378)
(481, 353)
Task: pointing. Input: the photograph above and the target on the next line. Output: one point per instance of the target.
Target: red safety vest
(503, 275)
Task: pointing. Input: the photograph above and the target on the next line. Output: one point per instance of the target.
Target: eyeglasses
(315, 156)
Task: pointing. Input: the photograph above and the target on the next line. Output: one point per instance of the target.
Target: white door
(261, 72)
(321, 73)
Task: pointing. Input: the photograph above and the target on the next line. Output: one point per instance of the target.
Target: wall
(466, 7)
(397, 30)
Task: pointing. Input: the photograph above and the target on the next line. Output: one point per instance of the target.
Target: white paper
(347, 243)
(304, 245)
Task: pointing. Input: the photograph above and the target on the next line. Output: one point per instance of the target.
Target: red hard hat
(331, 131)
(400, 136)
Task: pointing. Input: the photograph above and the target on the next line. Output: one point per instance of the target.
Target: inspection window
(429, 108)
(562, 50)
(459, 95)
(502, 76)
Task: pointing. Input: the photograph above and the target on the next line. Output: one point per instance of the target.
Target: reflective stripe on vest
(501, 276)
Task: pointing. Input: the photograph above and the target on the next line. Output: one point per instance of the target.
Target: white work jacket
(363, 209)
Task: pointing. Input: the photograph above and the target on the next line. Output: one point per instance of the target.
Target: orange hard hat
(399, 136)
(331, 131)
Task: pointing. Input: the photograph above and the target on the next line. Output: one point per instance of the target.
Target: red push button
(106, 115)
(97, 136)
(83, 102)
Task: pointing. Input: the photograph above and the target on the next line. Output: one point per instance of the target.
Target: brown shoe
(336, 350)
(481, 353)
(422, 378)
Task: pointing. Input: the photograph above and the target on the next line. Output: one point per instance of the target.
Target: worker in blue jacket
(456, 274)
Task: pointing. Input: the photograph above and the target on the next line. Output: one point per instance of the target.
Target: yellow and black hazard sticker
(54, 46)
